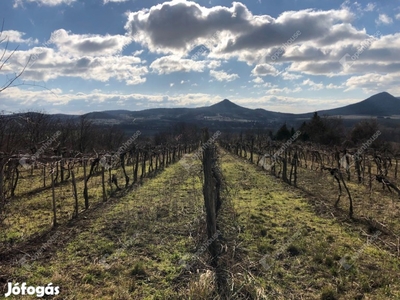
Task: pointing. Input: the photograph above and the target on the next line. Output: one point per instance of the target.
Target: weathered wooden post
(85, 191)
(210, 196)
(103, 185)
(75, 192)
(54, 200)
(44, 176)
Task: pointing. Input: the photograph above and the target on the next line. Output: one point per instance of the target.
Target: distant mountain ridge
(228, 116)
(381, 104)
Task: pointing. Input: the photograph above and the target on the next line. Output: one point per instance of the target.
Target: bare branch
(10, 82)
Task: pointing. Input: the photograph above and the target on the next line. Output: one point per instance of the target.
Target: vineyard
(196, 216)
(53, 184)
(366, 179)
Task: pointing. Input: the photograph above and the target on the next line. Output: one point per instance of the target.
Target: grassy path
(132, 250)
(303, 251)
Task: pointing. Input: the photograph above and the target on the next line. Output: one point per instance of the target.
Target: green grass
(128, 249)
(308, 265)
(32, 214)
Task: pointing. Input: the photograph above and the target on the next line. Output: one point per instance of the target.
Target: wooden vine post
(211, 194)
(110, 179)
(44, 176)
(75, 192)
(54, 200)
(85, 191)
(103, 184)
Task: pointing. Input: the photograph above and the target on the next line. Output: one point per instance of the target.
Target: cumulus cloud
(263, 70)
(374, 82)
(51, 64)
(87, 56)
(223, 76)
(177, 26)
(88, 44)
(322, 39)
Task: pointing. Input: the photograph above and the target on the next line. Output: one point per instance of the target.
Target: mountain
(228, 116)
(379, 105)
(226, 105)
(100, 115)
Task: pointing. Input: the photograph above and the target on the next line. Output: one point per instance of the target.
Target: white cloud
(55, 98)
(20, 3)
(326, 36)
(332, 86)
(370, 7)
(223, 76)
(174, 63)
(14, 36)
(290, 76)
(397, 17)
(50, 64)
(384, 19)
(313, 86)
(116, 1)
(263, 70)
(258, 80)
(285, 90)
(88, 44)
(373, 83)
(138, 52)
(178, 26)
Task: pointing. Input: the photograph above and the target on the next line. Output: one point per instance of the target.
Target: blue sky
(287, 56)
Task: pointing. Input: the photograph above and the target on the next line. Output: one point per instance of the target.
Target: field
(278, 241)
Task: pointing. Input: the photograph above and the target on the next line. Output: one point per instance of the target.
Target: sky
(289, 55)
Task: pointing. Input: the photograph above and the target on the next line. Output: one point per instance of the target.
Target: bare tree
(5, 57)
(85, 131)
